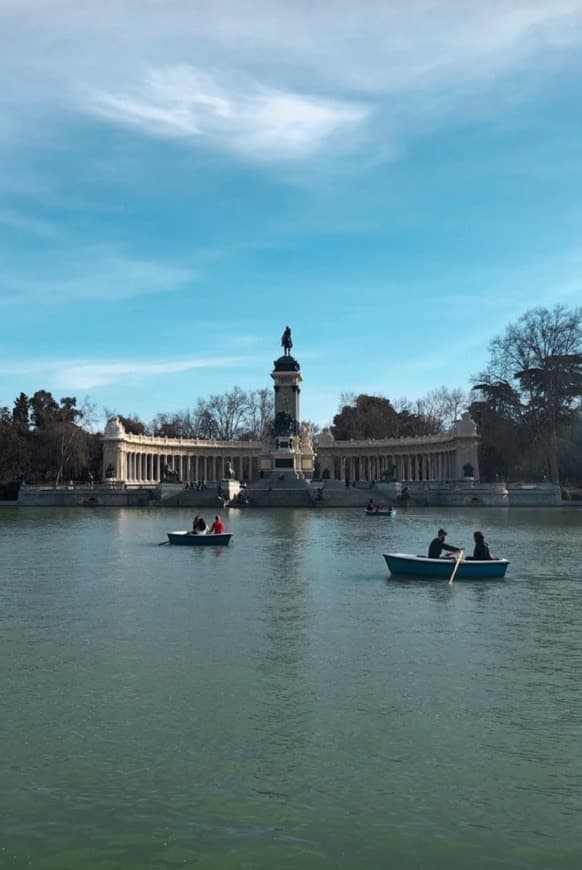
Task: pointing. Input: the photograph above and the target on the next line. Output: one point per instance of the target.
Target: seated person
(199, 525)
(217, 527)
(437, 545)
(481, 552)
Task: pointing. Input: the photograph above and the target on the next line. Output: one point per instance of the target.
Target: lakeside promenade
(288, 492)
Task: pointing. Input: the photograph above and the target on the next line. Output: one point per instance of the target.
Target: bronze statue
(286, 341)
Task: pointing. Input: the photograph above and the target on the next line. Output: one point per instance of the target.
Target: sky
(396, 181)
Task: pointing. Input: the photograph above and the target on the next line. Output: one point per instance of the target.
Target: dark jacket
(437, 546)
(481, 552)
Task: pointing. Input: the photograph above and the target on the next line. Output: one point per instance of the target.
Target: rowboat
(423, 568)
(188, 539)
(384, 513)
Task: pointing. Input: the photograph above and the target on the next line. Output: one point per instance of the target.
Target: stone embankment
(286, 491)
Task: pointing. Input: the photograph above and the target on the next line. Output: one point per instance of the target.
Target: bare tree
(180, 424)
(440, 408)
(258, 416)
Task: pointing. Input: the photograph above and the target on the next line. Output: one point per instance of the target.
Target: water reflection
(256, 696)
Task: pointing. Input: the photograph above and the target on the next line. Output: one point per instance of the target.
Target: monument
(289, 454)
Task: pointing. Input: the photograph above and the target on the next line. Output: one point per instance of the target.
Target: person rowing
(437, 545)
(217, 527)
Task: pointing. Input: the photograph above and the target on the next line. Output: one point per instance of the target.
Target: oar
(163, 544)
(457, 563)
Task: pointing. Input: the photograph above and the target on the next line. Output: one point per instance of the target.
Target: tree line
(43, 439)
(527, 404)
(528, 400)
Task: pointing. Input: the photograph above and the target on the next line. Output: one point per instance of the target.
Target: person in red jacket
(217, 527)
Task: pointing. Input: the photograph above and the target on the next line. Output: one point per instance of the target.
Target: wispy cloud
(187, 103)
(97, 272)
(87, 374)
(26, 224)
(280, 81)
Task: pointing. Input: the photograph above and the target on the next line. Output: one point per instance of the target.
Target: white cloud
(259, 121)
(283, 80)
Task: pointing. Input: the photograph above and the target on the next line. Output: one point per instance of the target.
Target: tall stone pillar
(291, 453)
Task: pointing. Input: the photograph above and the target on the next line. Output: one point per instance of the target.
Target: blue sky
(180, 180)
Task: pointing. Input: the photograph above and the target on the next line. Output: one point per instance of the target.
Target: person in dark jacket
(437, 545)
(481, 552)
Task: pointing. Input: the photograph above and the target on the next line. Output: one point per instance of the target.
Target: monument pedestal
(230, 488)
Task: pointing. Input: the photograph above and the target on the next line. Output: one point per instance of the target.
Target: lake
(281, 703)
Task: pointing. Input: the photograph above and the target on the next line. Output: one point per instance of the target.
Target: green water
(281, 703)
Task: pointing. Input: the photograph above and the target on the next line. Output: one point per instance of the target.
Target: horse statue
(286, 342)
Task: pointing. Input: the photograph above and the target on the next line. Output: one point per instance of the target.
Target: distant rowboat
(423, 568)
(381, 513)
(189, 539)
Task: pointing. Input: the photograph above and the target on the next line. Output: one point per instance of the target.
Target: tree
(235, 415)
(374, 417)
(44, 409)
(258, 416)
(58, 444)
(177, 425)
(365, 417)
(21, 412)
(133, 425)
(441, 407)
(14, 449)
(535, 376)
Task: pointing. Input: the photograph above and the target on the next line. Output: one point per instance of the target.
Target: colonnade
(144, 459)
(152, 467)
(435, 465)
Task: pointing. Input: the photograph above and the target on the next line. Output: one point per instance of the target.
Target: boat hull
(187, 539)
(422, 568)
(380, 513)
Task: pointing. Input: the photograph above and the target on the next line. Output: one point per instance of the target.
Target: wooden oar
(457, 563)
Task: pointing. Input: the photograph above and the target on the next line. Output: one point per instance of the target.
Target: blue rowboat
(188, 539)
(374, 513)
(422, 568)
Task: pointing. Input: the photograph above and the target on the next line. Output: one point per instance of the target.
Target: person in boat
(217, 527)
(481, 552)
(199, 525)
(437, 545)
(370, 505)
